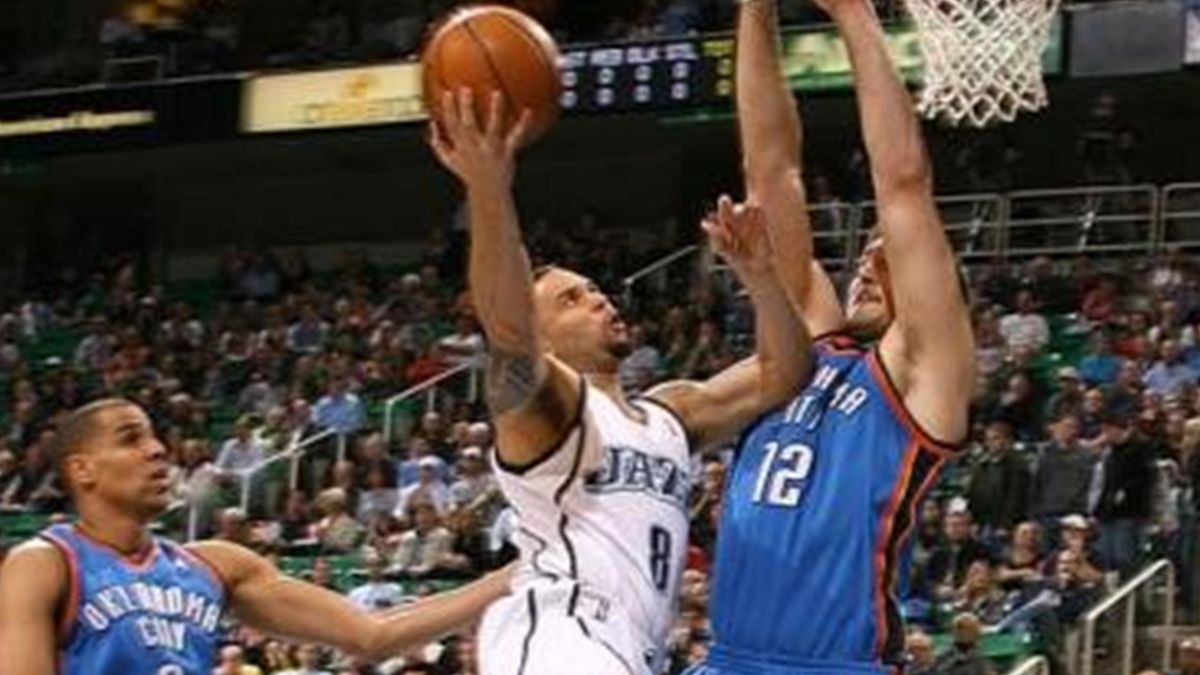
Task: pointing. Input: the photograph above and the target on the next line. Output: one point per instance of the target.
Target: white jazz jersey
(605, 517)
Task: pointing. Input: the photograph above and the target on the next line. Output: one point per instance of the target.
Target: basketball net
(983, 58)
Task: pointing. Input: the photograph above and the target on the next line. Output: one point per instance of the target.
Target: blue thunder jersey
(157, 616)
(816, 519)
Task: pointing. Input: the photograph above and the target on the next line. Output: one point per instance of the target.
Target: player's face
(123, 463)
(579, 323)
(868, 300)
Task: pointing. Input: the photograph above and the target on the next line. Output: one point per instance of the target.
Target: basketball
(490, 48)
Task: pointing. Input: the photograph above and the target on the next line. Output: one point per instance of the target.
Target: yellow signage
(83, 120)
(333, 98)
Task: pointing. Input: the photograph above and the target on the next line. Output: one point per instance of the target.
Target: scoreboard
(647, 75)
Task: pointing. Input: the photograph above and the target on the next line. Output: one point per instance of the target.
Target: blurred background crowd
(1082, 464)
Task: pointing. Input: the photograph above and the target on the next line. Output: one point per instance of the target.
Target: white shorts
(557, 630)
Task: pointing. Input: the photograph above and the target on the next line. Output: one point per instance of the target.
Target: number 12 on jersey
(782, 475)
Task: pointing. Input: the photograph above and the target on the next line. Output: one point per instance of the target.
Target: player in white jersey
(600, 482)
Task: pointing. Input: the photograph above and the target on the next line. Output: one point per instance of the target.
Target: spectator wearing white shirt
(465, 345)
(1025, 328)
(243, 452)
(422, 550)
(473, 478)
(428, 488)
(378, 593)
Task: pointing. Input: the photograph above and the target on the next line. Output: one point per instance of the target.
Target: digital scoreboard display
(647, 75)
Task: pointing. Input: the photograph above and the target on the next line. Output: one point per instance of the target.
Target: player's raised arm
(930, 348)
(33, 585)
(533, 397)
(721, 406)
(271, 601)
(771, 138)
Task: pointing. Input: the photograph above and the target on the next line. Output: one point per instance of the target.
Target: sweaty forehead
(114, 419)
(556, 282)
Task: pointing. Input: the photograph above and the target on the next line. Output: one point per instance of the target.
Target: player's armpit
(33, 586)
(930, 362)
(536, 402)
(273, 602)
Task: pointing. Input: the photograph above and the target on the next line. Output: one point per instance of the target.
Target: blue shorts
(724, 660)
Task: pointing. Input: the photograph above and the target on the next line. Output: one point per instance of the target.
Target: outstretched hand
(478, 154)
(738, 233)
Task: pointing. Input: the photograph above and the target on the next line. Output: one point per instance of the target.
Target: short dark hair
(542, 270)
(77, 426)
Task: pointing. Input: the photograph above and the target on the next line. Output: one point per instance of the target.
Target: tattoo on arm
(512, 380)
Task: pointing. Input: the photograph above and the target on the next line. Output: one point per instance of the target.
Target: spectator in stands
(340, 409)
(1077, 587)
(947, 567)
(1189, 656)
(1076, 537)
(920, 657)
(474, 480)
(964, 657)
(1100, 303)
(1021, 407)
(295, 519)
(706, 503)
(337, 531)
(643, 367)
(1069, 399)
(96, 347)
(309, 333)
(421, 550)
(1126, 499)
(308, 662)
(1125, 395)
(465, 345)
(1100, 367)
(980, 594)
(377, 593)
(1170, 376)
(419, 449)
(377, 499)
(321, 574)
(242, 452)
(1091, 418)
(1062, 477)
(233, 526)
(428, 488)
(233, 662)
(10, 479)
(435, 432)
(999, 483)
(1025, 328)
(1023, 564)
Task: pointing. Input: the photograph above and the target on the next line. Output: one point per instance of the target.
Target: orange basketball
(491, 48)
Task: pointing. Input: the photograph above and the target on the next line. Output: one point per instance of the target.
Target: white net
(983, 58)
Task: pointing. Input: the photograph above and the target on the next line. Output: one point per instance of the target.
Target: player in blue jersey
(823, 494)
(104, 597)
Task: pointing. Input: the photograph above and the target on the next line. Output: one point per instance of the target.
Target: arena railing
(975, 224)
(654, 270)
(1180, 216)
(196, 504)
(1094, 220)
(1127, 597)
(1034, 665)
(428, 389)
